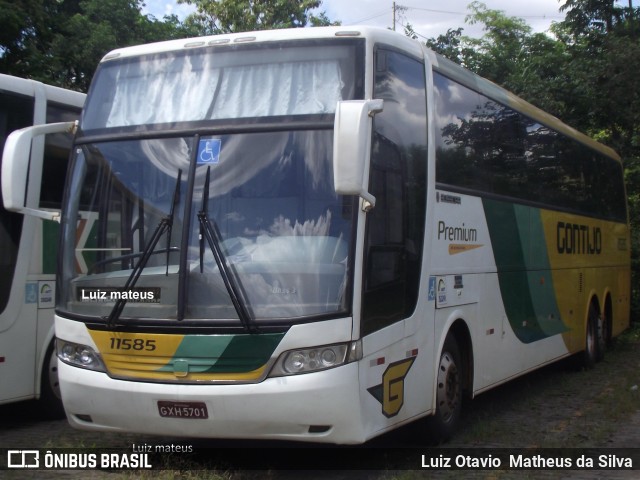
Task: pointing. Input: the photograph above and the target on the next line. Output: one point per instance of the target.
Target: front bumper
(316, 407)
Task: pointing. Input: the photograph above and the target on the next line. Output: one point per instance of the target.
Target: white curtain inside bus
(147, 93)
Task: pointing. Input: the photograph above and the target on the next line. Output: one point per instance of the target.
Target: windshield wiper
(165, 225)
(209, 231)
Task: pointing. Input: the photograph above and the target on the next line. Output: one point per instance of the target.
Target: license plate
(195, 410)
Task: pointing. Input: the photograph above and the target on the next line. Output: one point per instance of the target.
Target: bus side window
(395, 227)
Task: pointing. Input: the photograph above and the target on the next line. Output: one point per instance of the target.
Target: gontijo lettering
(578, 239)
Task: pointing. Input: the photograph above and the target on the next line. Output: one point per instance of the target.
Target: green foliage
(585, 16)
(61, 42)
(227, 16)
(632, 178)
(454, 46)
(502, 49)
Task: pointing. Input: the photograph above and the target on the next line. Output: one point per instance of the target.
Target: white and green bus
(321, 235)
(28, 245)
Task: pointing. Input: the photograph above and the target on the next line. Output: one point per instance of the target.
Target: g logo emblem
(391, 392)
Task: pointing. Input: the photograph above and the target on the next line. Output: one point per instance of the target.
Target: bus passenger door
(394, 386)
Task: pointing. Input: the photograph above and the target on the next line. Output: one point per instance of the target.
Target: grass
(582, 409)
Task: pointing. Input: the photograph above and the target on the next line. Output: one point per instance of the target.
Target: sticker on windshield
(209, 151)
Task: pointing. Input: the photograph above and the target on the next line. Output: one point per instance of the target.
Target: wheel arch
(462, 334)
(593, 300)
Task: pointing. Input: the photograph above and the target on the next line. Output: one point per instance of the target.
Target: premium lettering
(457, 234)
(575, 239)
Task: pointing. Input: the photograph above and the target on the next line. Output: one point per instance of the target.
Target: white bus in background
(320, 235)
(29, 246)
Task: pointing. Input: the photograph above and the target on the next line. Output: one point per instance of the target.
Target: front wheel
(443, 424)
(50, 397)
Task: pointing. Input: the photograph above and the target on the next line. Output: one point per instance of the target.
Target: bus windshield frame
(281, 238)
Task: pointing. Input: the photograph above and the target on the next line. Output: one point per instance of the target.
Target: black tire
(50, 402)
(602, 336)
(589, 356)
(444, 423)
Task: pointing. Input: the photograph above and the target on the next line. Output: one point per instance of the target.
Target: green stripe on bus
(225, 353)
(247, 352)
(524, 274)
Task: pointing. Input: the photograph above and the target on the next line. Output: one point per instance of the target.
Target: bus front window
(283, 232)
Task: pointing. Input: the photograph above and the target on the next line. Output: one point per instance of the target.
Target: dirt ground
(555, 407)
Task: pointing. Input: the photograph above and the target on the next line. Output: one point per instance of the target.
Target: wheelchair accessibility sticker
(209, 151)
(432, 289)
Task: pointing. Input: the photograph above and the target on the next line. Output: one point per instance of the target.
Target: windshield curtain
(283, 231)
(221, 83)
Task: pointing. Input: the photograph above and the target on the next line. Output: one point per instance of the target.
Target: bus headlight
(79, 355)
(306, 360)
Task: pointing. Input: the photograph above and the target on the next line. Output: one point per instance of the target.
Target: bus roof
(374, 35)
(371, 33)
(27, 87)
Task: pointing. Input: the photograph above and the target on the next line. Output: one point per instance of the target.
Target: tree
(584, 16)
(101, 26)
(62, 42)
(227, 16)
(454, 46)
(26, 28)
(502, 48)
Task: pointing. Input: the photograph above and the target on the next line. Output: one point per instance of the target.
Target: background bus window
(15, 112)
(395, 227)
(56, 157)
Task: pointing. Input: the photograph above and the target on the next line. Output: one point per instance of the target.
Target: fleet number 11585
(138, 344)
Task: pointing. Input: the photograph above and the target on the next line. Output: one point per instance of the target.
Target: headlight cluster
(79, 355)
(306, 360)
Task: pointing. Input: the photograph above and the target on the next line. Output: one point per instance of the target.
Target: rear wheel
(602, 335)
(592, 338)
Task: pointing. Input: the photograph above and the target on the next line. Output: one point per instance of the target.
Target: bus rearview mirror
(352, 148)
(21, 157)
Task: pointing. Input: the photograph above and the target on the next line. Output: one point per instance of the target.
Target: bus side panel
(550, 266)
(18, 347)
(533, 274)
(29, 315)
(466, 287)
(589, 258)
(18, 323)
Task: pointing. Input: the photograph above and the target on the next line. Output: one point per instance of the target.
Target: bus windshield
(210, 84)
(213, 226)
